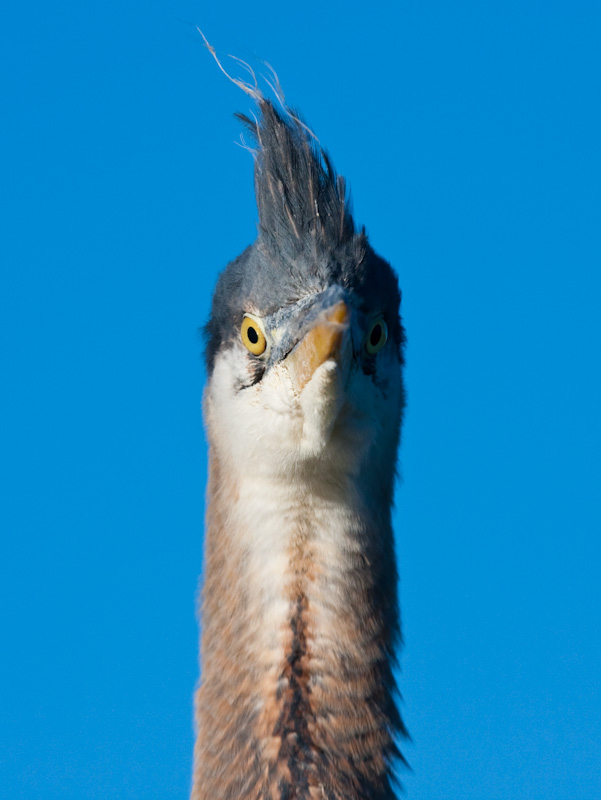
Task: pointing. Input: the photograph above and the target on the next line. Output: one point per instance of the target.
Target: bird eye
(377, 336)
(252, 336)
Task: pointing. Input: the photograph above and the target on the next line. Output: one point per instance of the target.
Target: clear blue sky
(470, 133)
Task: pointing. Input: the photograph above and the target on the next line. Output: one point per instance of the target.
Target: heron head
(305, 342)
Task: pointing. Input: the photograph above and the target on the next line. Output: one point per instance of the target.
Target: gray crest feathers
(302, 202)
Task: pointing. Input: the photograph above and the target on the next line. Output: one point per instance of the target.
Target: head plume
(302, 202)
(306, 239)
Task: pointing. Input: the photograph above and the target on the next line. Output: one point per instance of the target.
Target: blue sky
(470, 134)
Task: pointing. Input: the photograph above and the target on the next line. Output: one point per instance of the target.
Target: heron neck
(299, 620)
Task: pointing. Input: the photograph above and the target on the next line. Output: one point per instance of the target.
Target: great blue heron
(303, 408)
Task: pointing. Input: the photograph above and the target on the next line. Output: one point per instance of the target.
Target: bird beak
(322, 343)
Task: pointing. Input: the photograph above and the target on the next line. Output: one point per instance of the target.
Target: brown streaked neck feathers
(296, 699)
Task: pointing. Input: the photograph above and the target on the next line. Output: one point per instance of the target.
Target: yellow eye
(377, 336)
(252, 336)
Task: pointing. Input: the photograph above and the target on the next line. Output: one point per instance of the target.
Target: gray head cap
(306, 235)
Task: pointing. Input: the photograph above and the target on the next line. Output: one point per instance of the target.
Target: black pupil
(253, 336)
(376, 335)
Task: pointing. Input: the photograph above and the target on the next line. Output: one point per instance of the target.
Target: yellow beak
(321, 343)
